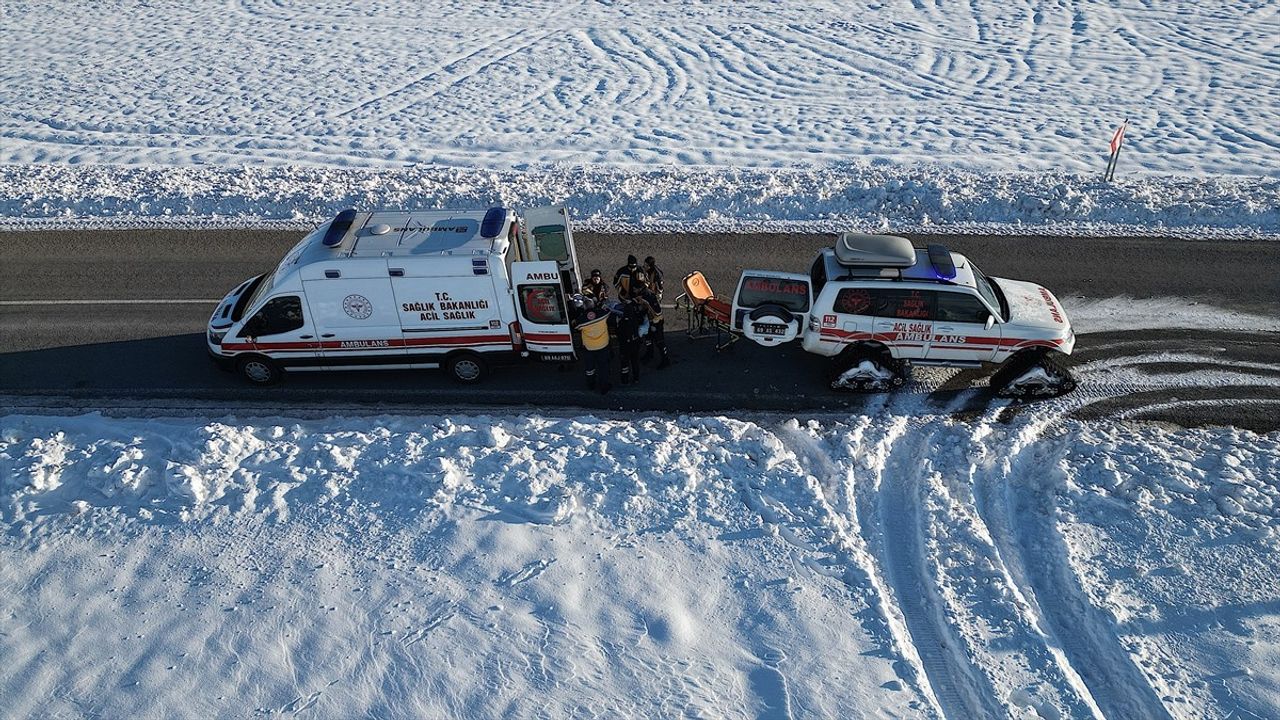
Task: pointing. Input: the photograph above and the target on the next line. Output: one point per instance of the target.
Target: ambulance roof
(409, 233)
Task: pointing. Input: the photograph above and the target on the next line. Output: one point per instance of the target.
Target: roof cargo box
(862, 250)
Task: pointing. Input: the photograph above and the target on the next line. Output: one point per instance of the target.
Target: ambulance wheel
(868, 369)
(466, 367)
(1033, 375)
(259, 370)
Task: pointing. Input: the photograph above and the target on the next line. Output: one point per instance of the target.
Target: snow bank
(537, 567)
(992, 85)
(818, 198)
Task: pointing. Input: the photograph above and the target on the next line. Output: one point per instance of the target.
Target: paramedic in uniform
(597, 289)
(655, 276)
(655, 339)
(625, 277)
(593, 330)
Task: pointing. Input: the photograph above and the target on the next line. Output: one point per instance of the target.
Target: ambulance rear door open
(548, 236)
(542, 309)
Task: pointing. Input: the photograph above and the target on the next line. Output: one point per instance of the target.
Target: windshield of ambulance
(262, 286)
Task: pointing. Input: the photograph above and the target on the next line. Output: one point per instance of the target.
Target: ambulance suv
(406, 289)
(877, 305)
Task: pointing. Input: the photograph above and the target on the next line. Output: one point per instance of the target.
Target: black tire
(1025, 361)
(883, 363)
(783, 314)
(259, 370)
(467, 368)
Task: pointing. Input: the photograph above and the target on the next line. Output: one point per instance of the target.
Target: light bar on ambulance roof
(494, 220)
(940, 258)
(339, 227)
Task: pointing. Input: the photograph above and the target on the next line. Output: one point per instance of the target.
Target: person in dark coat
(654, 274)
(597, 289)
(655, 340)
(625, 276)
(632, 316)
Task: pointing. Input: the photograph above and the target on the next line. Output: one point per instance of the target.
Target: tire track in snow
(988, 498)
(955, 686)
(1040, 560)
(836, 498)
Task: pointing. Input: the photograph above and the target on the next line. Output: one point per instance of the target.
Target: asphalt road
(145, 341)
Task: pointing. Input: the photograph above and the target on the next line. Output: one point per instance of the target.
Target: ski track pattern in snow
(1026, 85)
(1021, 566)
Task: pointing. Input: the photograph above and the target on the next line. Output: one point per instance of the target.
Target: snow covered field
(640, 114)
(1032, 84)
(887, 565)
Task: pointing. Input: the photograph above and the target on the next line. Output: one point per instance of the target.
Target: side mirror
(991, 321)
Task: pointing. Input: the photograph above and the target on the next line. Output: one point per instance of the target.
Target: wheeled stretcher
(707, 314)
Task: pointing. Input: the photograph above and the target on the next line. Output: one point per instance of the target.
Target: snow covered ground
(886, 565)
(1031, 84)
(990, 115)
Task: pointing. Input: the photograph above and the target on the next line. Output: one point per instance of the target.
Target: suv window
(960, 307)
(758, 290)
(542, 304)
(854, 301)
(279, 315)
(903, 304)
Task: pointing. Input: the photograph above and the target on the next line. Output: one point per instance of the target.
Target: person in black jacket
(655, 340)
(596, 289)
(655, 276)
(625, 277)
(632, 315)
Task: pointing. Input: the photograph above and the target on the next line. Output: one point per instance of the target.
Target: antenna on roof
(339, 227)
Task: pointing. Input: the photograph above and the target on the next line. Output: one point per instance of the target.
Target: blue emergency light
(339, 227)
(940, 258)
(494, 220)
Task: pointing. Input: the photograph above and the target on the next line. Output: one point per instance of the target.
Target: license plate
(769, 329)
(555, 357)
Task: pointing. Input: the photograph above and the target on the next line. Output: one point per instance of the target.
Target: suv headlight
(215, 338)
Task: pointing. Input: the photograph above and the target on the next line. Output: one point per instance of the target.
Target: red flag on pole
(1118, 139)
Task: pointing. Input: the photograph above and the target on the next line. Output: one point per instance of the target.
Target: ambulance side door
(282, 329)
(441, 314)
(356, 321)
(543, 311)
(548, 235)
(904, 320)
(961, 331)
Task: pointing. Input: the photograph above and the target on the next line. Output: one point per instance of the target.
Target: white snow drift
(891, 564)
(829, 198)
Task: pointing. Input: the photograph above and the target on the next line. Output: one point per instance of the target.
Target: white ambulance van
(462, 290)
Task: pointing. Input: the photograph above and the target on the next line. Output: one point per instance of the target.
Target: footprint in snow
(414, 636)
(526, 573)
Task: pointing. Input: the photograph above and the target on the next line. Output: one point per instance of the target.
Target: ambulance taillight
(517, 335)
